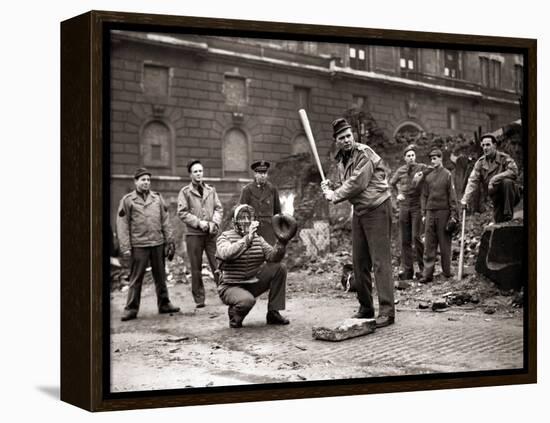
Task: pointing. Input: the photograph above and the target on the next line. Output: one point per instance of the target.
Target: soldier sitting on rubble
(497, 172)
(250, 266)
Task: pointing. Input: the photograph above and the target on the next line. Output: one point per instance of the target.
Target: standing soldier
(496, 172)
(410, 217)
(439, 205)
(144, 233)
(201, 210)
(365, 185)
(263, 196)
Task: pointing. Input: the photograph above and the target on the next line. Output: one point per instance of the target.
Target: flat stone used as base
(349, 328)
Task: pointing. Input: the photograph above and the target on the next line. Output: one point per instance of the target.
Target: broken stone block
(402, 284)
(439, 305)
(349, 328)
(500, 256)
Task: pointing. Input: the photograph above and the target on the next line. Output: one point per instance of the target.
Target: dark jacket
(265, 200)
(402, 182)
(142, 222)
(438, 192)
(363, 178)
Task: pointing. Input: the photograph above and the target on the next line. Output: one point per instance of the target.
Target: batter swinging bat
(309, 134)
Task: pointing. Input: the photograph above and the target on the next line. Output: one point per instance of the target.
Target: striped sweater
(242, 258)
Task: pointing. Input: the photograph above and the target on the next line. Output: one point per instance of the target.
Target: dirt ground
(480, 328)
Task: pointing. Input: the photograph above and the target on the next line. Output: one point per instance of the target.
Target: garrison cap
(409, 148)
(435, 152)
(140, 172)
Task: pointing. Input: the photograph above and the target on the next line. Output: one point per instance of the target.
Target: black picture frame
(85, 172)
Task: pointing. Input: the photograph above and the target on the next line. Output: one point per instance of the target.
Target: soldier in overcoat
(263, 196)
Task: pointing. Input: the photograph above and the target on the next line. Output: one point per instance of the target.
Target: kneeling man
(249, 267)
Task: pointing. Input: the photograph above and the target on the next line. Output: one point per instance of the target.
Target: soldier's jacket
(142, 222)
(242, 258)
(364, 180)
(192, 208)
(503, 166)
(265, 201)
(402, 181)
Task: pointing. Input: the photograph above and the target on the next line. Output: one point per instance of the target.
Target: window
(490, 70)
(518, 78)
(234, 88)
(452, 119)
(495, 71)
(407, 59)
(235, 153)
(156, 80)
(358, 58)
(484, 68)
(359, 101)
(156, 145)
(452, 69)
(491, 122)
(301, 97)
(300, 145)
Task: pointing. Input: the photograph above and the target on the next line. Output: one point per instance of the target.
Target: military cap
(191, 163)
(140, 172)
(435, 152)
(409, 148)
(260, 166)
(339, 125)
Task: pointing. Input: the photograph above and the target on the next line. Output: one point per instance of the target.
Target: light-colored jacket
(192, 208)
(142, 222)
(502, 167)
(364, 180)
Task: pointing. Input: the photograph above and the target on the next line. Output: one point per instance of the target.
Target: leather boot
(273, 317)
(168, 308)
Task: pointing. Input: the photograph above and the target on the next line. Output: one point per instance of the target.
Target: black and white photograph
(275, 211)
(304, 210)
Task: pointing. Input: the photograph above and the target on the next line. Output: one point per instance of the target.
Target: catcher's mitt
(284, 226)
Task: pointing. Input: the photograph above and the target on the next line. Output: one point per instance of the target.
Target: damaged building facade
(231, 101)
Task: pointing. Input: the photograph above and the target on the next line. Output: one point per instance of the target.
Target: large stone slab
(500, 256)
(349, 328)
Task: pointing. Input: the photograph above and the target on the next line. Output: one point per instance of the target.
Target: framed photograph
(256, 211)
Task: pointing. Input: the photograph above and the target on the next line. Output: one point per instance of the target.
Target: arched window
(300, 145)
(235, 153)
(156, 145)
(408, 132)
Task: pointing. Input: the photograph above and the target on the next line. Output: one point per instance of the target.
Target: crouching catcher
(250, 266)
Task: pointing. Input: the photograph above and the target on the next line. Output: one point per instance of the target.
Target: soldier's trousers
(505, 195)
(196, 245)
(140, 259)
(435, 235)
(241, 297)
(371, 235)
(412, 248)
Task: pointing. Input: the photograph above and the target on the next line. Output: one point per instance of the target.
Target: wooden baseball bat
(461, 257)
(309, 135)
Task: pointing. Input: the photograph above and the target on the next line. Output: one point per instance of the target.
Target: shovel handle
(461, 257)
